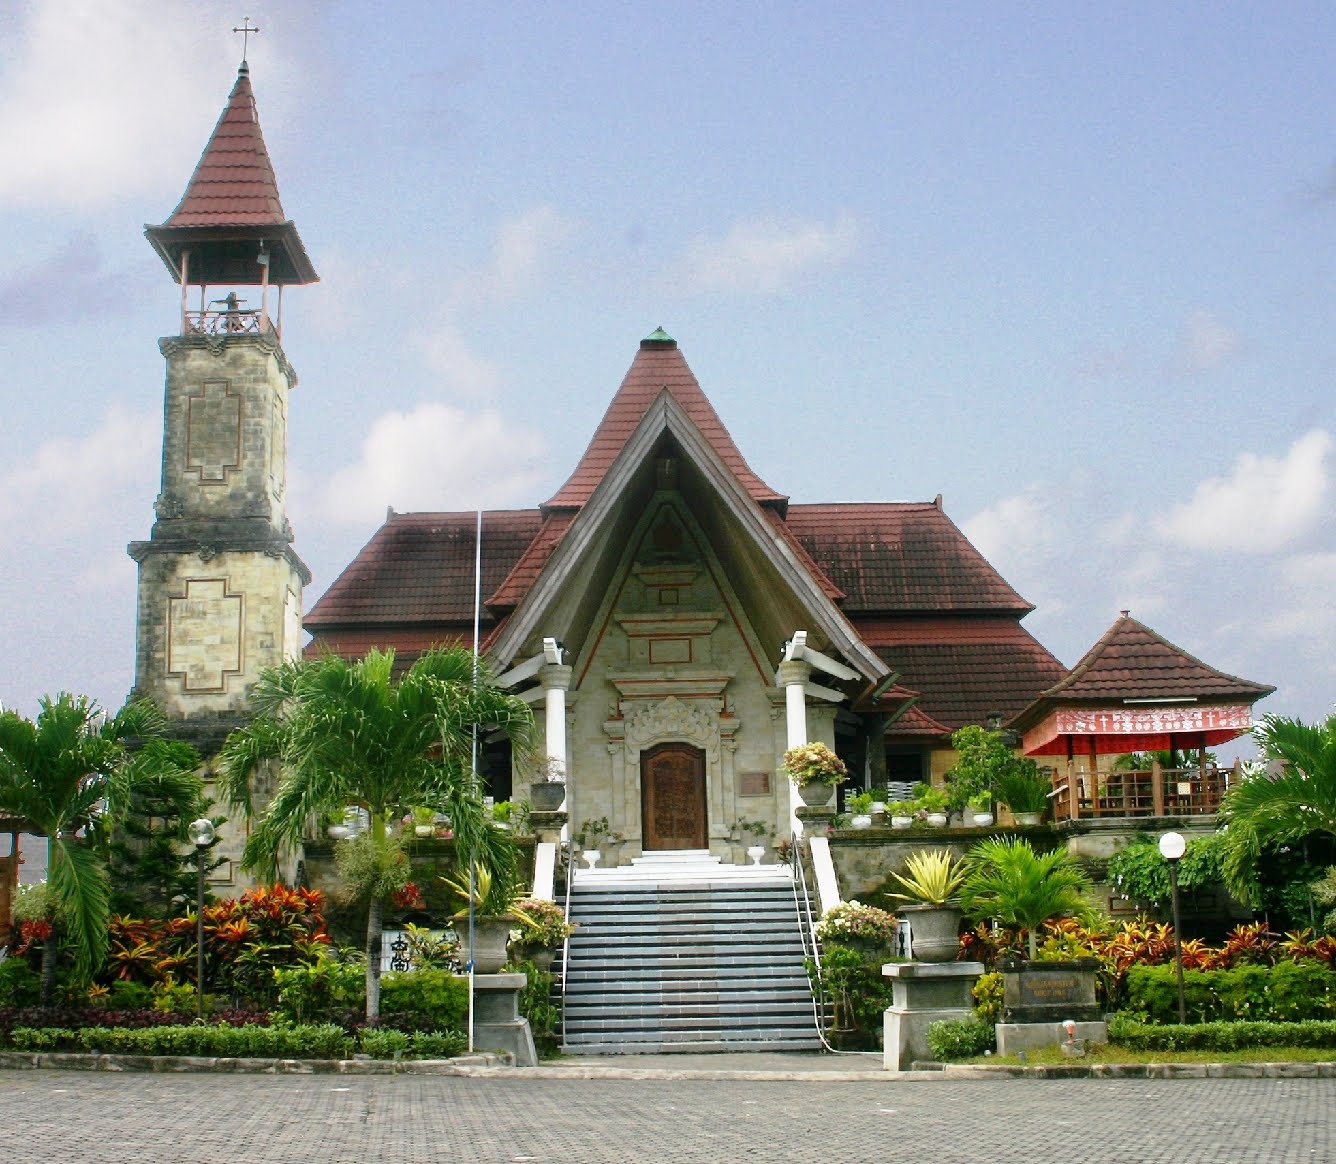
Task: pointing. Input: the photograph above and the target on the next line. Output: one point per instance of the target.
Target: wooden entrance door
(672, 790)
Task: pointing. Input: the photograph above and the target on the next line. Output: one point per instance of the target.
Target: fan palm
(70, 775)
(347, 733)
(1267, 809)
(1009, 881)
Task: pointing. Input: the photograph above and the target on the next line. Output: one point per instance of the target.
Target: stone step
(687, 1042)
(744, 1002)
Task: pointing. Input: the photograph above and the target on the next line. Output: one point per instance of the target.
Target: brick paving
(110, 1118)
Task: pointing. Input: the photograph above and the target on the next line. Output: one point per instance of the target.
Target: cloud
(417, 460)
(1263, 505)
(68, 285)
(518, 256)
(70, 484)
(461, 369)
(766, 255)
(101, 101)
(1205, 343)
(1024, 519)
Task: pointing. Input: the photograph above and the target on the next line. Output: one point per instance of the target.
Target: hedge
(248, 1042)
(961, 1038)
(1220, 1036)
(1286, 992)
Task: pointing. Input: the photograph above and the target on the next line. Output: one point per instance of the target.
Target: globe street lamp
(1172, 848)
(201, 833)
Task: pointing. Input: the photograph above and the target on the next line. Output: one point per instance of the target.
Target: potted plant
(933, 803)
(424, 821)
(493, 898)
(856, 926)
(743, 828)
(930, 883)
(591, 836)
(902, 813)
(548, 788)
(815, 771)
(981, 809)
(543, 929)
(1024, 790)
(860, 808)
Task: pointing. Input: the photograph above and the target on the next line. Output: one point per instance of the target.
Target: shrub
(987, 995)
(814, 763)
(853, 988)
(325, 990)
(1288, 992)
(251, 1042)
(852, 921)
(1125, 1031)
(20, 984)
(536, 1005)
(424, 1000)
(960, 1038)
(542, 923)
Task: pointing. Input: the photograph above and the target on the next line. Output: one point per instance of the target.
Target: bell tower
(220, 585)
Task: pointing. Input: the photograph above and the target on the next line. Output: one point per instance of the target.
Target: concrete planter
(934, 931)
(491, 935)
(815, 795)
(547, 795)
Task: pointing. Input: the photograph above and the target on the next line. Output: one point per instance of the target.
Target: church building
(678, 622)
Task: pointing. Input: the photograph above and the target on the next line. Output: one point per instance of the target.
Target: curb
(495, 1066)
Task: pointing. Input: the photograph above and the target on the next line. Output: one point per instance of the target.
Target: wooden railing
(1153, 792)
(239, 321)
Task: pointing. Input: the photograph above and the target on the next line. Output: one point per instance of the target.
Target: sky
(1070, 266)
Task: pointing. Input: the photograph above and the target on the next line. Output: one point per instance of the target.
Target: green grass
(1052, 1056)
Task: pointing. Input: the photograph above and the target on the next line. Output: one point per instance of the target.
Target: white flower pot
(756, 852)
(901, 822)
(937, 819)
(338, 832)
(861, 820)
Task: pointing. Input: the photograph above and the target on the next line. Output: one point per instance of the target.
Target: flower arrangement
(542, 923)
(852, 921)
(814, 764)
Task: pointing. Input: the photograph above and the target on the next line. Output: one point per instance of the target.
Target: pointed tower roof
(658, 366)
(231, 207)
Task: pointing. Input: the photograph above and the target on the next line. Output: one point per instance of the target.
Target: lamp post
(1172, 847)
(201, 833)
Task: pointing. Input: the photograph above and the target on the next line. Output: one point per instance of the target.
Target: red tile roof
(1131, 661)
(418, 569)
(900, 556)
(234, 183)
(658, 365)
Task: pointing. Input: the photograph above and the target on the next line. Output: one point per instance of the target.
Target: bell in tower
(220, 586)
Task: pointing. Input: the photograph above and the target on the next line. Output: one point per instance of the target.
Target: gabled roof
(658, 366)
(1131, 661)
(232, 198)
(418, 569)
(667, 418)
(900, 556)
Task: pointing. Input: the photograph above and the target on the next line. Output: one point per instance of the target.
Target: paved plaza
(101, 1118)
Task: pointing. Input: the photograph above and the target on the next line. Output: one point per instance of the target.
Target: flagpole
(477, 639)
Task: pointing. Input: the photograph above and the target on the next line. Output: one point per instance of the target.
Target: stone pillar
(497, 1025)
(923, 993)
(556, 681)
(793, 677)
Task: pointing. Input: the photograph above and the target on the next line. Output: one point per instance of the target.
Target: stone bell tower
(220, 586)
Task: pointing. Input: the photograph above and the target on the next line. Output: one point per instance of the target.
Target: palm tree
(70, 776)
(1009, 881)
(1267, 809)
(348, 733)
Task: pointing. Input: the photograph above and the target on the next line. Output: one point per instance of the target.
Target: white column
(793, 675)
(556, 680)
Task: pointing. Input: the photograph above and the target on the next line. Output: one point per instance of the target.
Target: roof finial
(246, 29)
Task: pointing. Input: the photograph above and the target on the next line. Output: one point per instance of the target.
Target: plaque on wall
(754, 784)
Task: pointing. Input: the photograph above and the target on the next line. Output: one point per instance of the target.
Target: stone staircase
(678, 952)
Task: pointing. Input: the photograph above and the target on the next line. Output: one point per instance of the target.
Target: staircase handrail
(802, 901)
(567, 851)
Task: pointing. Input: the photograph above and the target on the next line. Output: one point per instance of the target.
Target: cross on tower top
(246, 29)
